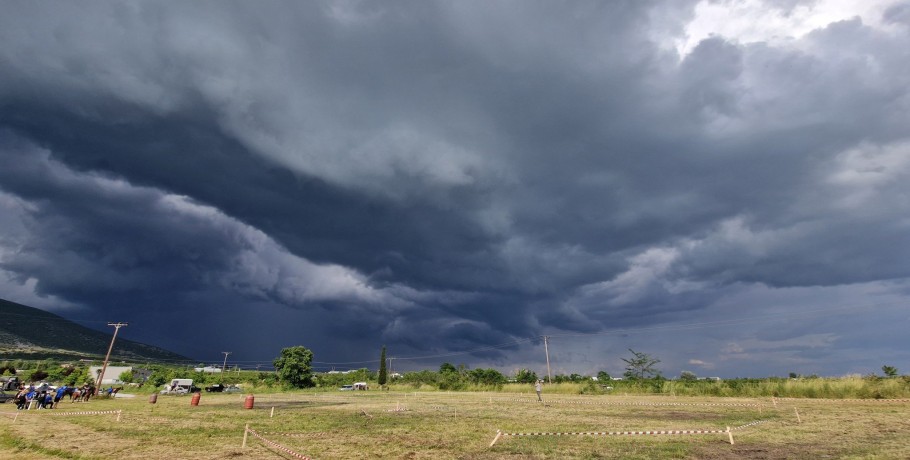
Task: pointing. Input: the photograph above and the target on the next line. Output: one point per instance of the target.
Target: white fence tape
(616, 403)
(853, 400)
(727, 431)
(43, 413)
(273, 444)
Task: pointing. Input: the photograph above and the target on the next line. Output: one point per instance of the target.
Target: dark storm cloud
(444, 176)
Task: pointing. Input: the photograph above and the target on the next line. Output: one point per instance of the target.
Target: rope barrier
(757, 422)
(845, 400)
(727, 431)
(295, 435)
(600, 403)
(119, 412)
(272, 444)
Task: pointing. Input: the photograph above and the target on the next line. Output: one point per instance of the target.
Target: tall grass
(850, 387)
(837, 388)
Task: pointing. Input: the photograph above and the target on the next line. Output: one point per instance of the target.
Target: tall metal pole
(117, 327)
(226, 353)
(547, 351)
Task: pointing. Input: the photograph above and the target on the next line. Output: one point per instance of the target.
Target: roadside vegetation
(449, 377)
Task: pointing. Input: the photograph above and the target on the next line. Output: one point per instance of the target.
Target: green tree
(447, 367)
(603, 376)
(640, 366)
(525, 376)
(418, 378)
(485, 377)
(890, 371)
(37, 375)
(293, 367)
(383, 372)
(688, 376)
(77, 377)
(126, 377)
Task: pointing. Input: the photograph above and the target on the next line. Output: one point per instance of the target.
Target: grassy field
(434, 425)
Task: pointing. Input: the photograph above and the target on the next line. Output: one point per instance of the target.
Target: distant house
(208, 369)
(111, 374)
(141, 375)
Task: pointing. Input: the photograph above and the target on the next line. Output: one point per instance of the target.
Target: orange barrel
(153, 398)
(248, 404)
(195, 400)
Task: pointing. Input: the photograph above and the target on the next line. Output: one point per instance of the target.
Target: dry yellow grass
(436, 425)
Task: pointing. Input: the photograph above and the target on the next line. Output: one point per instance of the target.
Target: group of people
(47, 398)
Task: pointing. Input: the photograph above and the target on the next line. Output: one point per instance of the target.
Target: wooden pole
(107, 357)
(798, 420)
(273, 412)
(498, 434)
(246, 430)
(546, 350)
(730, 434)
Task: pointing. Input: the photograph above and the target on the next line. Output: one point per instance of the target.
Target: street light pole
(117, 327)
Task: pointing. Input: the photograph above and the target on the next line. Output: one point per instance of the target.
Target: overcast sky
(720, 184)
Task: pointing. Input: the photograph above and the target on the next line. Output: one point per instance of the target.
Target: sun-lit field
(437, 425)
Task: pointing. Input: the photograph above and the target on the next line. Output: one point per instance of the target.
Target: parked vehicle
(11, 384)
(216, 388)
(180, 387)
(346, 388)
(4, 396)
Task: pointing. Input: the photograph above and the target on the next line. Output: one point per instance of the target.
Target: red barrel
(248, 404)
(153, 398)
(195, 400)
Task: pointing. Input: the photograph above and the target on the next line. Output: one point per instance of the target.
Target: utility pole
(117, 327)
(226, 353)
(547, 351)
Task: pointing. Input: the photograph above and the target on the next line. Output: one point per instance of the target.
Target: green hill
(30, 333)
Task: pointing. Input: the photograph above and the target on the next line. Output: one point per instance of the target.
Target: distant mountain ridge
(30, 333)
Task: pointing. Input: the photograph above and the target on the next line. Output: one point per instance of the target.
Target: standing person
(537, 388)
